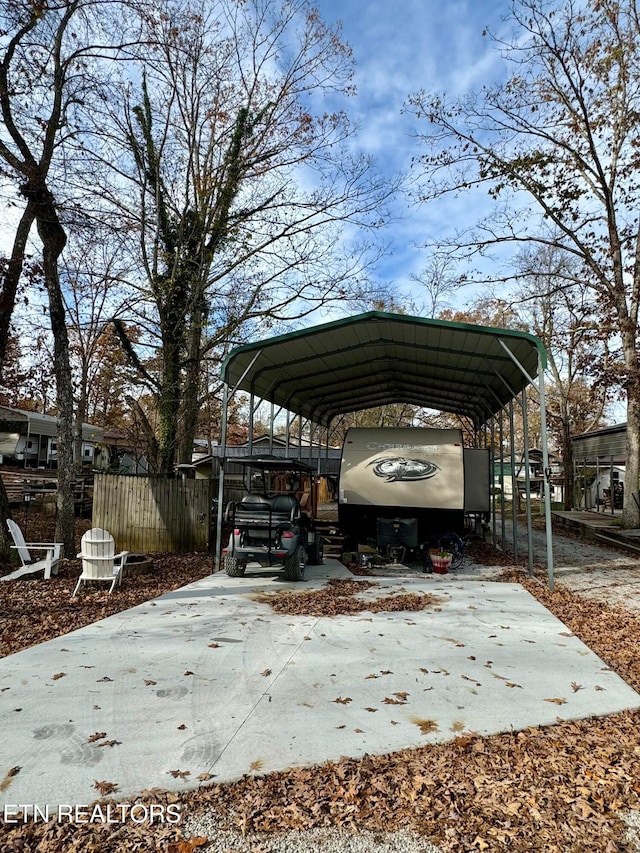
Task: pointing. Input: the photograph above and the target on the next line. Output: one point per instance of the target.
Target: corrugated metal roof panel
(378, 358)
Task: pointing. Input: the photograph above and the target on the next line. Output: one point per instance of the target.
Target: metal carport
(376, 358)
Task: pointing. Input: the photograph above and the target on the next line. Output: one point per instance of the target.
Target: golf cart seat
(285, 508)
(254, 510)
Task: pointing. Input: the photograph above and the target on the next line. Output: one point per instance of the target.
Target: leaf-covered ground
(36, 610)
(557, 789)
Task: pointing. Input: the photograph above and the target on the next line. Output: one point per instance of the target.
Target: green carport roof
(376, 358)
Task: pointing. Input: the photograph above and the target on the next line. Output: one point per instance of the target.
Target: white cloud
(436, 45)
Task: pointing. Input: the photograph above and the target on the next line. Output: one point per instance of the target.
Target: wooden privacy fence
(153, 514)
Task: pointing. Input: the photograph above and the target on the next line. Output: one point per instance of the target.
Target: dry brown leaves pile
(339, 597)
(33, 611)
(556, 789)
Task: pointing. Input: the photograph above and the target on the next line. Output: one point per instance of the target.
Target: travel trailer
(408, 486)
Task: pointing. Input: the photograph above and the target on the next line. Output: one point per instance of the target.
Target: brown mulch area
(35, 610)
(339, 598)
(556, 789)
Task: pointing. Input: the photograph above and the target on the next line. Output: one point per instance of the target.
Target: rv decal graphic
(400, 469)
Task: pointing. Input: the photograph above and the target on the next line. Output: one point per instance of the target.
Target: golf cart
(269, 526)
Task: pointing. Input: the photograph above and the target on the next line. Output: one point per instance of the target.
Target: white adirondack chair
(31, 566)
(99, 559)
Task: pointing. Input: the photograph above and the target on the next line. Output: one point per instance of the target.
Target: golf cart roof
(267, 462)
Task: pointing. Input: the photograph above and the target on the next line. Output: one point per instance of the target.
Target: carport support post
(250, 436)
(515, 495)
(527, 480)
(223, 443)
(493, 481)
(547, 477)
(503, 520)
(272, 417)
(611, 487)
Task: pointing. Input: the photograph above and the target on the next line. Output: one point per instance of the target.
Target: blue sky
(399, 49)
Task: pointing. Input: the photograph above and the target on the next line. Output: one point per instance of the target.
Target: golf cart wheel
(295, 565)
(234, 567)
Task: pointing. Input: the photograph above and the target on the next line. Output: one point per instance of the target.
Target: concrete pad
(209, 680)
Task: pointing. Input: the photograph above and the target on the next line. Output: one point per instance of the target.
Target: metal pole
(611, 487)
(514, 483)
(223, 447)
(503, 521)
(493, 490)
(251, 405)
(271, 420)
(547, 478)
(527, 481)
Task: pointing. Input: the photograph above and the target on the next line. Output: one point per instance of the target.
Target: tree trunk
(193, 382)
(11, 279)
(631, 510)
(168, 408)
(8, 292)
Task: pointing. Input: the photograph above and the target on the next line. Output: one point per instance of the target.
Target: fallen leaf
(58, 675)
(179, 774)
(149, 682)
(575, 686)
(214, 645)
(105, 788)
(265, 672)
(187, 845)
(342, 701)
(425, 725)
(13, 771)
(557, 701)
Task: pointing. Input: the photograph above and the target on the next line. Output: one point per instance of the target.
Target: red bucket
(441, 564)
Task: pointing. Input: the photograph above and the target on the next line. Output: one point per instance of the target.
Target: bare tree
(33, 57)
(560, 311)
(561, 133)
(94, 273)
(240, 185)
(52, 59)
(438, 282)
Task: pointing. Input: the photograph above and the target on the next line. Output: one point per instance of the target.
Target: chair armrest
(33, 547)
